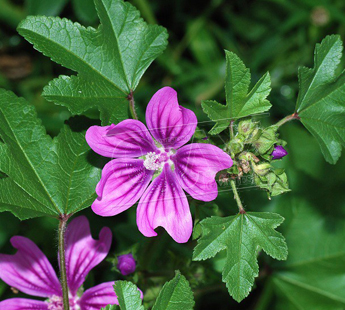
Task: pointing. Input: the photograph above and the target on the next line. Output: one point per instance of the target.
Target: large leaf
(241, 236)
(175, 295)
(128, 296)
(321, 103)
(45, 176)
(110, 60)
(239, 103)
(313, 277)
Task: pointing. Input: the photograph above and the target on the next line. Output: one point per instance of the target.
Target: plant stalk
(130, 98)
(237, 197)
(63, 274)
(288, 119)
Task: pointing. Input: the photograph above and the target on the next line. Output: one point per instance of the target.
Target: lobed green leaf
(110, 61)
(241, 236)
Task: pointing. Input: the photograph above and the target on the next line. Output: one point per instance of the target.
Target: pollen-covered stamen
(156, 161)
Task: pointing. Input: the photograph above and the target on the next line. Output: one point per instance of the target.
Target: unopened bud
(279, 152)
(262, 169)
(246, 127)
(126, 264)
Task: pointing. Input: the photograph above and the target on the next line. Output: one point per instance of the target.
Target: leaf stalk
(237, 197)
(288, 119)
(63, 274)
(130, 98)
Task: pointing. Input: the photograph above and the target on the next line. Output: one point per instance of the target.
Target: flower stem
(63, 275)
(287, 119)
(130, 98)
(237, 197)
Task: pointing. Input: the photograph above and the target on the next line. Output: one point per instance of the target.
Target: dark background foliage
(269, 35)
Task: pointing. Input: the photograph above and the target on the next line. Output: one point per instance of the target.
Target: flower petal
(122, 184)
(196, 166)
(83, 252)
(23, 304)
(165, 204)
(99, 296)
(170, 124)
(29, 270)
(129, 138)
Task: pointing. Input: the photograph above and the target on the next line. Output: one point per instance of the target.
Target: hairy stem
(130, 98)
(63, 274)
(231, 129)
(288, 119)
(237, 197)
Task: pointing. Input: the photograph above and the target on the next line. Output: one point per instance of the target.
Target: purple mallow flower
(30, 272)
(139, 157)
(279, 152)
(126, 264)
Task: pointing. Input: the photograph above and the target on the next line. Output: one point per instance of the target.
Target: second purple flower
(139, 158)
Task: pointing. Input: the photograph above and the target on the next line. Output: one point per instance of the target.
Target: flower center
(156, 161)
(56, 303)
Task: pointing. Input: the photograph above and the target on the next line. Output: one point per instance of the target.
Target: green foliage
(313, 277)
(320, 103)
(175, 295)
(110, 60)
(239, 103)
(45, 176)
(241, 236)
(43, 7)
(128, 296)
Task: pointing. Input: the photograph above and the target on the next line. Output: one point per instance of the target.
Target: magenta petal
(29, 270)
(83, 252)
(122, 184)
(23, 304)
(196, 165)
(129, 138)
(170, 124)
(165, 204)
(99, 296)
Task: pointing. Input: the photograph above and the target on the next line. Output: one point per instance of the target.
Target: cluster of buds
(253, 150)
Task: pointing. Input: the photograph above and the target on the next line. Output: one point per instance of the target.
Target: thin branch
(287, 119)
(130, 98)
(237, 197)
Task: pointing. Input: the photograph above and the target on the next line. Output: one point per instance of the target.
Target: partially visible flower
(30, 272)
(139, 157)
(126, 264)
(279, 152)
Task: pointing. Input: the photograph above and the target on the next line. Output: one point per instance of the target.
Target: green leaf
(128, 296)
(110, 60)
(241, 236)
(45, 176)
(239, 103)
(110, 307)
(85, 10)
(320, 103)
(313, 277)
(175, 295)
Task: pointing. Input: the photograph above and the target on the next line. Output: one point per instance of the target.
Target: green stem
(288, 119)
(237, 197)
(130, 98)
(231, 129)
(63, 274)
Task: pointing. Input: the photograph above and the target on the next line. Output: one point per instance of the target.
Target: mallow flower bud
(246, 127)
(278, 152)
(262, 169)
(126, 264)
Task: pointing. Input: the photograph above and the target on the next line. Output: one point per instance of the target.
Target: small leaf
(175, 295)
(62, 179)
(110, 307)
(239, 103)
(128, 296)
(110, 60)
(320, 104)
(241, 236)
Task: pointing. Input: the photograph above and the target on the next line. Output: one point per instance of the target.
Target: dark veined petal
(196, 166)
(165, 204)
(83, 252)
(23, 304)
(170, 124)
(129, 138)
(122, 184)
(29, 270)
